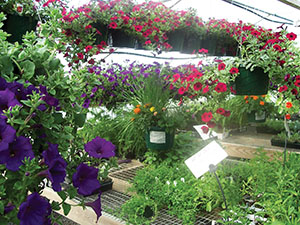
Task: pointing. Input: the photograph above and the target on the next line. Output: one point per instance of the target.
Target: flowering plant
(39, 118)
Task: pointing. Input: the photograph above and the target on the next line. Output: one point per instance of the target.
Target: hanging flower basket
(254, 82)
(192, 42)
(256, 117)
(17, 26)
(176, 39)
(157, 138)
(209, 42)
(122, 39)
(102, 34)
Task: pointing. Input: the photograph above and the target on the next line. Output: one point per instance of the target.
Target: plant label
(158, 137)
(199, 163)
(203, 135)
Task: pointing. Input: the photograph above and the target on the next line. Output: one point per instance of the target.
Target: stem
(17, 64)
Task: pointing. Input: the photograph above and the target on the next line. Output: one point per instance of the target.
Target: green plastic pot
(192, 42)
(102, 28)
(157, 138)
(176, 39)
(254, 82)
(17, 26)
(122, 39)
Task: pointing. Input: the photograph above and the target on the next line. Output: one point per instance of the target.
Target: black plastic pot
(280, 143)
(122, 39)
(176, 39)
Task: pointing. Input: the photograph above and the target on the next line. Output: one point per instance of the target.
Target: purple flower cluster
(13, 149)
(100, 148)
(56, 171)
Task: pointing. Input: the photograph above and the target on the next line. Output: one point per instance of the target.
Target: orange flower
(263, 96)
(261, 103)
(132, 119)
(255, 97)
(289, 105)
(137, 110)
(247, 101)
(246, 97)
(138, 106)
(147, 105)
(288, 116)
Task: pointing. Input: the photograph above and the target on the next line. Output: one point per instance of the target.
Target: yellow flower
(152, 109)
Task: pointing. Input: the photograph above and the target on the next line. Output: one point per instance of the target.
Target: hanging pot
(209, 42)
(254, 82)
(17, 26)
(157, 138)
(256, 117)
(176, 39)
(192, 43)
(103, 35)
(122, 39)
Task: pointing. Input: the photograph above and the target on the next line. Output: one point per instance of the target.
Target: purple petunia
(16, 152)
(86, 103)
(100, 148)
(34, 211)
(85, 179)
(56, 171)
(7, 135)
(8, 99)
(96, 206)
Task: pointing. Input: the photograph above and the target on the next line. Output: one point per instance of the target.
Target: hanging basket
(176, 39)
(209, 42)
(103, 35)
(254, 82)
(157, 138)
(17, 26)
(256, 117)
(122, 39)
(192, 42)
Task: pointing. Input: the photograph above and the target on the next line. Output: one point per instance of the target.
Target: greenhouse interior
(163, 112)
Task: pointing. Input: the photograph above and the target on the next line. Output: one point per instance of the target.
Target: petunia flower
(7, 135)
(100, 148)
(96, 206)
(206, 117)
(34, 211)
(85, 179)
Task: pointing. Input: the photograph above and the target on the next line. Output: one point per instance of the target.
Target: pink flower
(88, 48)
(205, 90)
(206, 117)
(291, 36)
(220, 111)
(221, 66)
(181, 90)
(205, 129)
(176, 77)
(197, 86)
(80, 55)
(221, 87)
(283, 88)
(148, 42)
(138, 28)
(113, 25)
(234, 70)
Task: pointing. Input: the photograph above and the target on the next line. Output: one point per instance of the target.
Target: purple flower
(85, 179)
(111, 79)
(7, 99)
(3, 84)
(100, 148)
(16, 152)
(83, 95)
(86, 103)
(8, 208)
(7, 135)
(34, 211)
(94, 89)
(96, 206)
(56, 171)
(51, 101)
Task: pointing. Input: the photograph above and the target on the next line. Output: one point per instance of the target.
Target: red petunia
(221, 87)
(289, 105)
(88, 27)
(234, 70)
(297, 83)
(277, 48)
(205, 129)
(181, 90)
(156, 19)
(221, 66)
(283, 88)
(203, 50)
(294, 91)
(291, 36)
(206, 117)
(227, 113)
(197, 86)
(80, 55)
(176, 76)
(138, 28)
(88, 48)
(220, 111)
(113, 25)
(288, 116)
(148, 42)
(205, 90)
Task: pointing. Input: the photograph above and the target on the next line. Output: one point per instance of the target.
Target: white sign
(199, 163)
(158, 137)
(203, 135)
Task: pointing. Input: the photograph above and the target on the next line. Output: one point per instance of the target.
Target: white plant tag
(199, 163)
(203, 135)
(260, 116)
(158, 137)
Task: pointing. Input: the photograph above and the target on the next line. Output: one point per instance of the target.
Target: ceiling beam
(293, 3)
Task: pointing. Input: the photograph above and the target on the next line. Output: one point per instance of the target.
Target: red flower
(135, 8)
(80, 55)
(291, 36)
(19, 9)
(113, 25)
(148, 42)
(120, 12)
(277, 48)
(91, 61)
(205, 90)
(297, 83)
(206, 117)
(88, 27)
(255, 33)
(181, 90)
(176, 76)
(227, 113)
(221, 87)
(288, 116)
(197, 86)
(138, 28)
(156, 19)
(221, 66)
(203, 50)
(88, 48)
(211, 124)
(294, 91)
(205, 129)
(220, 111)
(234, 70)
(289, 105)
(283, 88)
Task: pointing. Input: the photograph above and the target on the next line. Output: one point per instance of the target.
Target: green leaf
(73, 98)
(79, 119)
(1, 207)
(66, 208)
(72, 192)
(18, 185)
(6, 65)
(55, 205)
(28, 69)
(58, 118)
(62, 195)
(54, 64)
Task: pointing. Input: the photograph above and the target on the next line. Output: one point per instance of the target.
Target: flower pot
(210, 43)
(102, 28)
(280, 143)
(256, 117)
(157, 138)
(176, 39)
(254, 82)
(192, 42)
(122, 39)
(17, 26)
